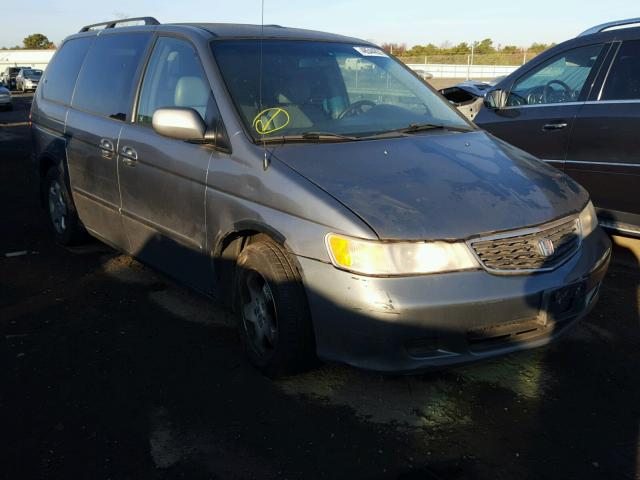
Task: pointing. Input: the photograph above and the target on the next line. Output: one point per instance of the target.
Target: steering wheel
(547, 90)
(356, 108)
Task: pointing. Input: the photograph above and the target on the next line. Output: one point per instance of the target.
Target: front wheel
(273, 314)
(63, 218)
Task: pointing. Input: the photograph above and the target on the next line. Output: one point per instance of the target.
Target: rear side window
(63, 71)
(623, 82)
(107, 79)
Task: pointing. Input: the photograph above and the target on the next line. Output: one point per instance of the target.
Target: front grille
(521, 251)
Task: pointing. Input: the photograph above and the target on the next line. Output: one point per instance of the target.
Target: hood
(438, 185)
(478, 89)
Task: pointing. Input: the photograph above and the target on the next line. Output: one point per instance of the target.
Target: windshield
(325, 88)
(32, 73)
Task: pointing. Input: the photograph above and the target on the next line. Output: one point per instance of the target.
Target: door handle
(554, 126)
(106, 145)
(129, 156)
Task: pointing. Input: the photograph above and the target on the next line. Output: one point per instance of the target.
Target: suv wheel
(63, 217)
(272, 310)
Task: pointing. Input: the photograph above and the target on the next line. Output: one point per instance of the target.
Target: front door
(543, 103)
(604, 152)
(162, 180)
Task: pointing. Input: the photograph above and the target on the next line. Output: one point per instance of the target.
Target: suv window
(106, 81)
(175, 78)
(623, 82)
(63, 70)
(558, 80)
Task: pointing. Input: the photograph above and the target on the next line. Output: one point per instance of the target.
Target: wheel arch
(229, 246)
(45, 162)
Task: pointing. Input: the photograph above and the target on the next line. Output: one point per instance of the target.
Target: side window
(559, 80)
(107, 79)
(623, 81)
(63, 71)
(175, 78)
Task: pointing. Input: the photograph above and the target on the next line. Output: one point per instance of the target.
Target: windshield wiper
(422, 127)
(309, 137)
(416, 128)
(327, 136)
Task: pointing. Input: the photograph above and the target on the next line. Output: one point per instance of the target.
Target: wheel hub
(57, 207)
(259, 314)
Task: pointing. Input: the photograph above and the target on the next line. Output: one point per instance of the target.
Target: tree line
(35, 41)
(483, 47)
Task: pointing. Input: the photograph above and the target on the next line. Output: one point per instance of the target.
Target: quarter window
(107, 79)
(175, 78)
(559, 80)
(63, 71)
(623, 82)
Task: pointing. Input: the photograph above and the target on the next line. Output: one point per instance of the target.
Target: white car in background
(422, 73)
(28, 79)
(5, 99)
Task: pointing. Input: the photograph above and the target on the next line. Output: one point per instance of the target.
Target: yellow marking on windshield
(263, 123)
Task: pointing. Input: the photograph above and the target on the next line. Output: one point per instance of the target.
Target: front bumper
(408, 324)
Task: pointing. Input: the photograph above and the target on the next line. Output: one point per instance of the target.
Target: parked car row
(20, 78)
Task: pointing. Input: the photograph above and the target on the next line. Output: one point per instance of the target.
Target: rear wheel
(272, 310)
(63, 217)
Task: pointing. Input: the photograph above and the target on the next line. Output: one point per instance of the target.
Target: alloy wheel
(259, 314)
(57, 207)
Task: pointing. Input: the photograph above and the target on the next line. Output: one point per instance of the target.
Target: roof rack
(610, 25)
(113, 23)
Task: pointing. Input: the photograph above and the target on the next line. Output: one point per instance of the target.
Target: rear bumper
(418, 323)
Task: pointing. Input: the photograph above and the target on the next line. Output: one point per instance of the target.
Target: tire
(61, 212)
(284, 344)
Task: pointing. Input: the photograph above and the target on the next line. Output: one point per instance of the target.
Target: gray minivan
(318, 186)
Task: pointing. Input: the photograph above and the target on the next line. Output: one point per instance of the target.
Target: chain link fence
(472, 59)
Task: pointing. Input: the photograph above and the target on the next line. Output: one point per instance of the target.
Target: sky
(410, 21)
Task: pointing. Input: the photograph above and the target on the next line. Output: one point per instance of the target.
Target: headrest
(191, 92)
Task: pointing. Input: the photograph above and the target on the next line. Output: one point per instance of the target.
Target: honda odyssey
(335, 201)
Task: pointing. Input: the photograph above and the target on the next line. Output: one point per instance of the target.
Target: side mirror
(180, 123)
(495, 99)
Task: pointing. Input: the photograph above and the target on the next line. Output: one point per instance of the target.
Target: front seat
(194, 93)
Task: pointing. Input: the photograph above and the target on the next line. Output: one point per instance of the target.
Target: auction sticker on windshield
(370, 52)
(271, 120)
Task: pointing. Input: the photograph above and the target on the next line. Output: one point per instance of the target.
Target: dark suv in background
(577, 106)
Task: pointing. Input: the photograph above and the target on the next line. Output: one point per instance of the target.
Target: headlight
(588, 219)
(370, 257)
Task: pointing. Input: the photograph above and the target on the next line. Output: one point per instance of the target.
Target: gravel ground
(109, 370)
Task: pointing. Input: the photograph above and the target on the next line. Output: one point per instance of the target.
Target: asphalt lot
(109, 370)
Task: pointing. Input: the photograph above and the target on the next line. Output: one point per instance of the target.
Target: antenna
(265, 161)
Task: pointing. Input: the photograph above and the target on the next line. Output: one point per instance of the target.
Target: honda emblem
(545, 247)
